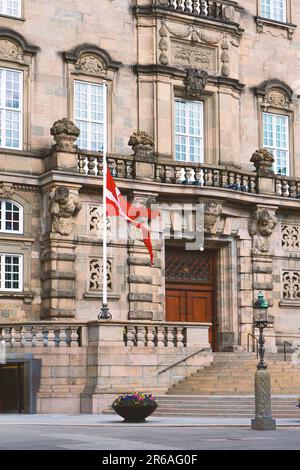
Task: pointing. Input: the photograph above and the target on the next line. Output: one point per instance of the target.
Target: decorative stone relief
(96, 274)
(91, 64)
(290, 237)
(225, 58)
(191, 55)
(196, 81)
(6, 190)
(276, 97)
(291, 285)
(95, 223)
(10, 50)
(163, 44)
(63, 207)
(261, 227)
(212, 212)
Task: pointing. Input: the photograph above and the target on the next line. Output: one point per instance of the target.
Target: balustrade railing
(92, 163)
(203, 8)
(159, 336)
(40, 335)
(196, 174)
(205, 175)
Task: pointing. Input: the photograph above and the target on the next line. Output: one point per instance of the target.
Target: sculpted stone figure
(65, 134)
(142, 144)
(63, 207)
(196, 81)
(212, 212)
(261, 228)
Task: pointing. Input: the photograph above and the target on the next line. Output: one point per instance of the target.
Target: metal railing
(183, 360)
(250, 335)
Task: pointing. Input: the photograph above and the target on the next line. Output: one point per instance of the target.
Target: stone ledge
(98, 296)
(289, 304)
(140, 297)
(26, 296)
(141, 315)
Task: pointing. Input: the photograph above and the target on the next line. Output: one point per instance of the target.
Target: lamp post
(263, 401)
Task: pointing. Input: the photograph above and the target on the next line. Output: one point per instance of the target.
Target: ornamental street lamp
(263, 404)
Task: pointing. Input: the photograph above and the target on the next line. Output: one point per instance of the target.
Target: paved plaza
(100, 432)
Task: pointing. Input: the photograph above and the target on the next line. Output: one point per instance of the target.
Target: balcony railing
(28, 335)
(153, 335)
(211, 9)
(191, 174)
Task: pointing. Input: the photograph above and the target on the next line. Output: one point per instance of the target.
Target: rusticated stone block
(140, 297)
(133, 279)
(141, 315)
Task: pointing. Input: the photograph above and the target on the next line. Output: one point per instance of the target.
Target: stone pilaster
(145, 281)
(261, 228)
(58, 252)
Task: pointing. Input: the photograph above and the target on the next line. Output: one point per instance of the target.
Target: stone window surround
(262, 22)
(19, 246)
(20, 207)
(77, 72)
(264, 107)
(24, 64)
(210, 119)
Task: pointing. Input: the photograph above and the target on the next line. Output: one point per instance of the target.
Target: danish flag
(117, 205)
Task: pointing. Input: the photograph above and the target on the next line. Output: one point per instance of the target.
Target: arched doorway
(190, 288)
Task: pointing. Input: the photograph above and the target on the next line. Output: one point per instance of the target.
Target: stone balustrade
(91, 164)
(214, 9)
(40, 335)
(206, 175)
(149, 334)
(193, 174)
(164, 336)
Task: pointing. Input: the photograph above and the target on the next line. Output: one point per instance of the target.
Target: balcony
(217, 10)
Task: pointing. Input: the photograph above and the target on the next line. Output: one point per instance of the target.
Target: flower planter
(134, 414)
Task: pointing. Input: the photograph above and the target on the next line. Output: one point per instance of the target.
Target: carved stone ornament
(91, 64)
(65, 133)
(263, 161)
(6, 190)
(212, 212)
(261, 227)
(277, 98)
(196, 81)
(64, 205)
(142, 144)
(10, 50)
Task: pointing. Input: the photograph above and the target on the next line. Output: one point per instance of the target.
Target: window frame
(275, 148)
(2, 275)
(20, 10)
(187, 135)
(102, 84)
(4, 109)
(3, 220)
(272, 7)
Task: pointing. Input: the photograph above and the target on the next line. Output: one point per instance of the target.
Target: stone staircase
(226, 389)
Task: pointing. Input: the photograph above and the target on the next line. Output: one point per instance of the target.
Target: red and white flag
(117, 205)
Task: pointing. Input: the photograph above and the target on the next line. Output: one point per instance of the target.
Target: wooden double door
(190, 303)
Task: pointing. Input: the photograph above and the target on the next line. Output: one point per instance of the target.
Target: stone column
(58, 258)
(146, 283)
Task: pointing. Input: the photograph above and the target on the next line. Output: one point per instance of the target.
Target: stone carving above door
(261, 227)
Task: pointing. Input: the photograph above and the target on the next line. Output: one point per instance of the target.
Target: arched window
(11, 217)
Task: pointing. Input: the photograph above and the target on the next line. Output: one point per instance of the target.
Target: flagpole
(104, 311)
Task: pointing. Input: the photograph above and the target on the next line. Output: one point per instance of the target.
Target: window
(274, 10)
(11, 272)
(276, 140)
(90, 115)
(11, 82)
(189, 131)
(11, 217)
(11, 8)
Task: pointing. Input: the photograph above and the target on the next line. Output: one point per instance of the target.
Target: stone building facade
(211, 90)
